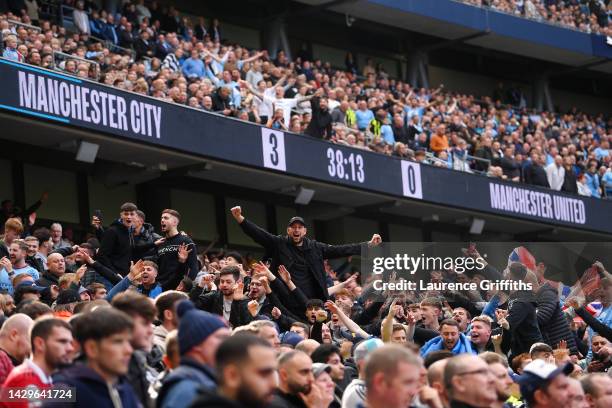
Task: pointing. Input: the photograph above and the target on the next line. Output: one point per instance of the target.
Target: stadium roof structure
(452, 21)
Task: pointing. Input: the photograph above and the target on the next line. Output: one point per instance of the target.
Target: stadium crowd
(187, 63)
(591, 16)
(134, 317)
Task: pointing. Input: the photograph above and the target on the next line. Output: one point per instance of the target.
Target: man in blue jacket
(199, 336)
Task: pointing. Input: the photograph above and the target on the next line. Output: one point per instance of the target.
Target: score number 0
(273, 143)
(411, 180)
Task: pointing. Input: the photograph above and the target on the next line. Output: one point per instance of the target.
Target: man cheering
(303, 257)
(176, 254)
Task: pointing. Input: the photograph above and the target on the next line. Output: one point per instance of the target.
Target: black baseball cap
(296, 219)
(28, 287)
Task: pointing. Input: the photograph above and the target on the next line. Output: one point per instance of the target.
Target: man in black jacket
(569, 179)
(535, 174)
(551, 320)
(227, 300)
(320, 123)
(144, 238)
(118, 241)
(143, 46)
(520, 327)
(303, 257)
(222, 101)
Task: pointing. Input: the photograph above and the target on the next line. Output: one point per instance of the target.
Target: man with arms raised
(302, 256)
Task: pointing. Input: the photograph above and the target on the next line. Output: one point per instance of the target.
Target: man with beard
(450, 339)
(498, 366)
(176, 254)
(226, 300)
(52, 348)
(246, 371)
(303, 257)
(17, 264)
(262, 301)
(296, 381)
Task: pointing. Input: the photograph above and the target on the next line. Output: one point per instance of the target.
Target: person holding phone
(277, 121)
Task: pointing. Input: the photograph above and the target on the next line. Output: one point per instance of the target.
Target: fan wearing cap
(354, 394)
(65, 303)
(545, 385)
(26, 290)
(199, 335)
(303, 257)
(322, 376)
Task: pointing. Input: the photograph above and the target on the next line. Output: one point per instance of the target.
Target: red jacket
(6, 365)
(24, 375)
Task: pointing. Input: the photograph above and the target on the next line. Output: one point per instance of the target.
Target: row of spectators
(135, 317)
(591, 16)
(363, 108)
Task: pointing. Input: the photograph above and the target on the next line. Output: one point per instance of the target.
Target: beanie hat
(195, 325)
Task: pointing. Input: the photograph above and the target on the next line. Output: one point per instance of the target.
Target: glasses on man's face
(482, 371)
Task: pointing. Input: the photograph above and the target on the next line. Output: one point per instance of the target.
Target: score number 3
(273, 143)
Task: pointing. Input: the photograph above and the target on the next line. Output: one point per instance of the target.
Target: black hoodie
(144, 243)
(171, 271)
(524, 330)
(116, 248)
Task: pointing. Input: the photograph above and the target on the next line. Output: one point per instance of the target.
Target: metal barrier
(63, 56)
(27, 26)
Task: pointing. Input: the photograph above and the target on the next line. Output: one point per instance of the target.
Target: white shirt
(44, 378)
(227, 309)
(81, 21)
(555, 176)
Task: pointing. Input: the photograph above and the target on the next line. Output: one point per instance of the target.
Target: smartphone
(98, 214)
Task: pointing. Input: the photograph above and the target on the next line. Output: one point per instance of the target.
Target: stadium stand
(230, 301)
(367, 109)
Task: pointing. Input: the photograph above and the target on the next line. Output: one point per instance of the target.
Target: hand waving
(183, 253)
